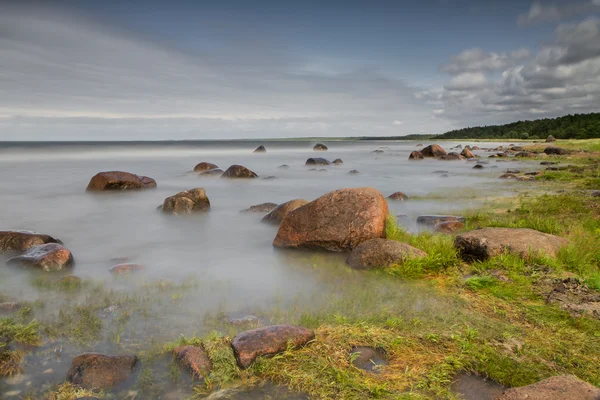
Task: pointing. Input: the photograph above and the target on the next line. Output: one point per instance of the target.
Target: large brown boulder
(415, 155)
(187, 202)
(276, 215)
(267, 341)
(320, 147)
(433, 150)
(317, 161)
(93, 370)
(194, 359)
(562, 387)
(205, 166)
(467, 153)
(238, 171)
(337, 221)
(23, 240)
(48, 257)
(481, 244)
(381, 253)
(119, 180)
(556, 151)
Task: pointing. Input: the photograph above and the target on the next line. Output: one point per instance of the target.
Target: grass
(11, 334)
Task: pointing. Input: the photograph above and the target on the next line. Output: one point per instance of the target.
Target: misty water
(222, 262)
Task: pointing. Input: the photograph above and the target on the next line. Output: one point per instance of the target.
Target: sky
(173, 70)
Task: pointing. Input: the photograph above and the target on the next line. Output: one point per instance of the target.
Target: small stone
(121, 269)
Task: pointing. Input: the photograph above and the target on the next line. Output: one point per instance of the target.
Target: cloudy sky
(147, 70)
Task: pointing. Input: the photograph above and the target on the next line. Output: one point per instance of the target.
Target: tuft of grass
(68, 391)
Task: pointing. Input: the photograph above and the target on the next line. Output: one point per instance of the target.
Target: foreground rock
(23, 240)
(564, 387)
(263, 207)
(93, 370)
(482, 244)
(194, 359)
(48, 257)
(278, 213)
(187, 202)
(268, 341)
(238, 171)
(125, 268)
(119, 180)
(382, 253)
(400, 196)
(433, 150)
(337, 221)
(317, 161)
(205, 166)
(260, 149)
(320, 147)
(415, 155)
(556, 151)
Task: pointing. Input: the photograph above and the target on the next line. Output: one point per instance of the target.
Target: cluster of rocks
(436, 151)
(35, 250)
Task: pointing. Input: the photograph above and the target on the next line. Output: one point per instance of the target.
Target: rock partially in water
(23, 240)
(337, 161)
(205, 166)
(452, 156)
(260, 149)
(474, 387)
(382, 253)
(433, 220)
(433, 150)
(212, 172)
(415, 155)
(317, 161)
(337, 221)
(263, 207)
(377, 151)
(367, 359)
(467, 153)
(119, 180)
(194, 359)
(187, 202)
(478, 166)
(48, 257)
(320, 147)
(448, 226)
(278, 213)
(268, 341)
(127, 268)
(354, 172)
(562, 387)
(400, 196)
(553, 150)
(93, 370)
(508, 176)
(238, 171)
(482, 244)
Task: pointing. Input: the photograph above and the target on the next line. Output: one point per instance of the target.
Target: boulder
(433, 150)
(398, 196)
(482, 244)
(415, 155)
(337, 221)
(467, 153)
(125, 268)
(555, 150)
(381, 253)
(205, 166)
(23, 240)
(317, 161)
(263, 207)
(48, 257)
(337, 161)
(278, 213)
(194, 359)
(260, 149)
(186, 202)
(452, 156)
(562, 387)
(354, 172)
(448, 226)
(550, 138)
(212, 172)
(268, 341)
(238, 171)
(320, 147)
(119, 180)
(433, 220)
(98, 371)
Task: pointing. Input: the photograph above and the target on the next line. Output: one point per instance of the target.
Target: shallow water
(223, 256)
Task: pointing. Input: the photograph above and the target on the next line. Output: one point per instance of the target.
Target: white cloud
(477, 60)
(545, 12)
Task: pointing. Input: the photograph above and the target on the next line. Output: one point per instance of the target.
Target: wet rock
(478, 166)
(433, 220)
(268, 341)
(467, 153)
(337, 161)
(205, 166)
(320, 147)
(562, 387)
(194, 359)
(263, 207)
(9, 307)
(550, 138)
(186, 202)
(93, 370)
(284, 166)
(260, 149)
(507, 176)
(238, 171)
(121, 269)
(452, 156)
(212, 172)
(119, 180)
(525, 154)
(48, 257)
(23, 240)
(381, 253)
(415, 155)
(448, 226)
(354, 172)
(367, 359)
(556, 151)
(400, 196)
(337, 221)
(317, 161)
(246, 320)
(482, 244)
(433, 150)
(278, 213)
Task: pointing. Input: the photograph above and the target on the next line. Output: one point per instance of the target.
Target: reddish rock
(23, 240)
(320, 147)
(187, 202)
(433, 150)
(195, 359)
(563, 387)
(400, 196)
(381, 253)
(448, 226)
(263, 207)
(268, 341)
(238, 171)
(97, 371)
(48, 257)
(337, 221)
(278, 213)
(415, 155)
(467, 153)
(119, 180)
(205, 166)
(482, 244)
(125, 268)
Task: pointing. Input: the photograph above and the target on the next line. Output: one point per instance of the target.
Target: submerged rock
(320, 147)
(121, 269)
(260, 149)
(562, 387)
(556, 151)
(278, 213)
(337, 221)
(263, 207)
(268, 341)
(317, 161)
(48, 257)
(284, 166)
(452, 156)
(433, 150)
(381, 253)
(23, 240)
(194, 359)
(353, 172)
(212, 172)
(205, 166)
(482, 244)
(415, 155)
(367, 359)
(238, 171)
(186, 202)
(119, 180)
(98, 371)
